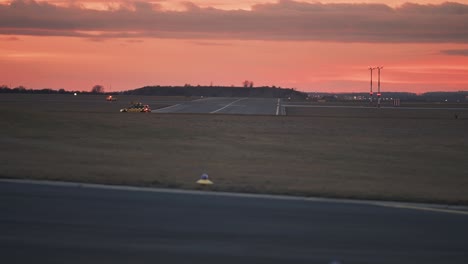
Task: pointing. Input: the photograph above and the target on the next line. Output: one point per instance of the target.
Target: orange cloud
(456, 52)
(284, 20)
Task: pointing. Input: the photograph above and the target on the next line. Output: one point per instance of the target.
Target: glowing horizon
(313, 47)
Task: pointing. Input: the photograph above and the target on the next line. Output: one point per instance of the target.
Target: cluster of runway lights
(378, 92)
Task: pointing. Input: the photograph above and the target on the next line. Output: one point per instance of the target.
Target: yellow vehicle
(138, 107)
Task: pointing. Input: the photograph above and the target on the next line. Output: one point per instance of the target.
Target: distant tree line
(97, 89)
(186, 90)
(218, 91)
(22, 89)
(460, 96)
(247, 90)
(444, 96)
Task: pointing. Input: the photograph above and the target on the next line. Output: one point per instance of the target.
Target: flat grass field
(384, 154)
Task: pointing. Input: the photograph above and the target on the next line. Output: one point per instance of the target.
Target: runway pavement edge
(164, 108)
(373, 107)
(440, 208)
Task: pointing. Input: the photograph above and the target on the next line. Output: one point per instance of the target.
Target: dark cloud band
(285, 20)
(456, 52)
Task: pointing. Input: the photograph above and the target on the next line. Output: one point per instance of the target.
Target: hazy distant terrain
(413, 155)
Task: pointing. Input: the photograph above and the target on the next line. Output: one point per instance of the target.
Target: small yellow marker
(204, 180)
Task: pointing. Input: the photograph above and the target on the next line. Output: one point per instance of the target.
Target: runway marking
(227, 105)
(164, 108)
(199, 99)
(328, 106)
(171, 106)
(463, 210)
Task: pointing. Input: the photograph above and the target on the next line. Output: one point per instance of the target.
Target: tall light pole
(371, 94)
(378, 93)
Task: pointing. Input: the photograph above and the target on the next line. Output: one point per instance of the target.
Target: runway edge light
(204, 180)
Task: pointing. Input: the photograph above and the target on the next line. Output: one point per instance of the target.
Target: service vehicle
(138, 107)
(110, 98)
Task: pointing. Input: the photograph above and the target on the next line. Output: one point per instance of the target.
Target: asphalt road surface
(66, 224)
(373, 107)
(216, 105)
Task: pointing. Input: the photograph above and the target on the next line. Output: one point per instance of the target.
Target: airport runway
(66, 224)
(216, 105)
(373, 107)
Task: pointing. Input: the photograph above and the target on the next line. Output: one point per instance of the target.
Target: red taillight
(378, 94)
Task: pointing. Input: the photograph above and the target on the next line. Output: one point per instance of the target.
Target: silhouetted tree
(19, 89)
(247, 84)
(97, 89)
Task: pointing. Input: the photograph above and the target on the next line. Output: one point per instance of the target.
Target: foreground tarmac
(66, 224)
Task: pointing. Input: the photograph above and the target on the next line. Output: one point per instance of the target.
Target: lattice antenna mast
(371, 93)
(378, 92)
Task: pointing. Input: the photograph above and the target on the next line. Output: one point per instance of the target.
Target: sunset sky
(323, 46)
